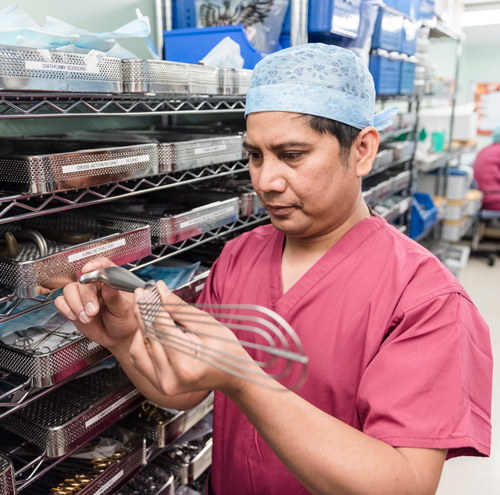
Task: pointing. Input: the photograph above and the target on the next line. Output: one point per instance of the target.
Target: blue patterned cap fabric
(317, 79)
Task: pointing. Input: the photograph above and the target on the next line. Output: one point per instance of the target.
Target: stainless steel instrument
(268, 338)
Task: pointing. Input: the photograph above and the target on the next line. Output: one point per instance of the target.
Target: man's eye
(254, 156)
(292, 156)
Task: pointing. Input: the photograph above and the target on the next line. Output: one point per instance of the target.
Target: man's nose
(271, 177)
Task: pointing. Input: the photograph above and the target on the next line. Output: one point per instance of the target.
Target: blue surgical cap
(317, 79)
(496, 135)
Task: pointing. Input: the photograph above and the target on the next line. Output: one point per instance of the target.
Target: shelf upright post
(163, 10)
(298, 25)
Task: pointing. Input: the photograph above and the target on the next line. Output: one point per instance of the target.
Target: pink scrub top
(396, 349)
(487, 175)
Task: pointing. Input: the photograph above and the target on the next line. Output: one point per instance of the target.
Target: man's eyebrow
(275, 147)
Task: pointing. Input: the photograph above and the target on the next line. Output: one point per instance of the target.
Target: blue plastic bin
(406, 6)
(409, 38)
(183, 14)
(190, 45)
(385, 69)
(326, 16)
(407, 80)
(388, 32)
(424, 9)
(424, 214)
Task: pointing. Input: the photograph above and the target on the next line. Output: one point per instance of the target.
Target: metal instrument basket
(191, 291)
(187, 472)
(167, 230)
(186, 151)
(203, 80)
(234, 81)
(164, 432)
(155, 76)
(28, 274)
(250, 204)
(43, 173)
(152, 480)
(401, 181)
(69, 416)
(6, 476)
(24, 68)
(46, 366)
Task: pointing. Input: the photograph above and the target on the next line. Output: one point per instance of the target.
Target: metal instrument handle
(116, 277)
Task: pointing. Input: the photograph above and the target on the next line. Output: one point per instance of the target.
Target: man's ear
(365, 150)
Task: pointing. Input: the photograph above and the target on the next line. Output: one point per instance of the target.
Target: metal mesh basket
(152, 480)
(30, 69)
(28, 274)
(164, 432)
(234, 81)
(191, 291)
(68, 417)
(250, 204)
(6, 477)
(401, 181)
(43, 173)
(47, 364)
(166, 230)
(155, 76)
(204, 80)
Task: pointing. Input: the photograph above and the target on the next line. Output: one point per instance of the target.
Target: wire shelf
(38, 105)
(389, 166)
(18, 207)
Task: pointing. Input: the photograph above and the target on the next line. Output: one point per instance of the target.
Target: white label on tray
(199, 287)
(207, 217)
(96, 250)
(111, 408)
(110, 483)
(210, 149)
(92, 345)
(32, 65)
(83, 167)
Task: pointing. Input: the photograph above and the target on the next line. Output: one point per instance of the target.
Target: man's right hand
(103, 314)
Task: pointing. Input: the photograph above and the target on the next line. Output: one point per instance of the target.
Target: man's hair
(345, 134)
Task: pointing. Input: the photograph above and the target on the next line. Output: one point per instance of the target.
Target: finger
(96, 264)
(62, 306)
(90, 300)
(73, 299)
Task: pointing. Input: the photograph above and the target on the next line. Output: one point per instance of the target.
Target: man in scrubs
(400, 365)
(487, 173)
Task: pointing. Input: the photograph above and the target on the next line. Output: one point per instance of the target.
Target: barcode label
(208, 217)
(110, 483)
(32, 65)
(111, 408)
(83, 167)
(96, 250)
(210, 149)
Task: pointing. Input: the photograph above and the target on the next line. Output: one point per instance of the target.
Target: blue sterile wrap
(317, 79)
(173, 276)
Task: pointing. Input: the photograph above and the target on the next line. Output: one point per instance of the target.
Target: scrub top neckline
(284, 303)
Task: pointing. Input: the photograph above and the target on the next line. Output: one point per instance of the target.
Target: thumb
(118, 303)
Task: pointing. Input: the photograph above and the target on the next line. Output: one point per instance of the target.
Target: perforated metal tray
(250, 204)
(203, 80)
(191, 291)
(401, 181)
(152, 480)
(71, 415)
(43, 70)
(6, 476)
(234, 81)
(42, 173)
(155, 76)
(176, 228)
(67, 354)
(28, 275)
(186, 151)
(171, 430)
(187, 472)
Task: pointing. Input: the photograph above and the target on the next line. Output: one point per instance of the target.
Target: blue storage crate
(190, 45)
(409, 38)
(385, 69)
(388, 32)
(424, 9)
(424, 214)
(183, 14)
(407, 80)
(340, 17)
(406, 6)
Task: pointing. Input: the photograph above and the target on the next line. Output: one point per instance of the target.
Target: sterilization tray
(250, 204)
(191, 291)
(234, 81)
(43, 173)
(186, 151)
(166, 230)
(27, 274)
(24, 68)
(152, 480)
(203, 80)
(401, 181)
(161, 431)
(187, 472)
(71, 415)
(155, 76)
(48, 356)
(6, 476)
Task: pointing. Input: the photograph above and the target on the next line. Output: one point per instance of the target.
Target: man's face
(298, 175)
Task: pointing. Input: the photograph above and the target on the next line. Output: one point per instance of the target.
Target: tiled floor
(479, 476)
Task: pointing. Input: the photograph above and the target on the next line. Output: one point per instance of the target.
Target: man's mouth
(279, 210)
